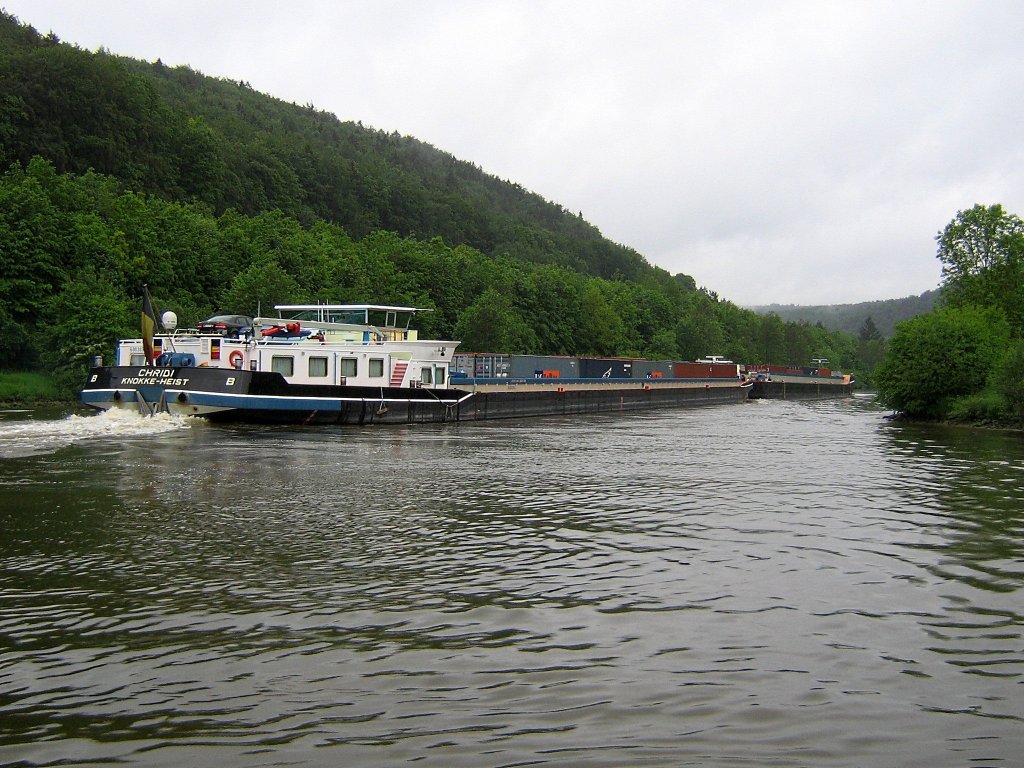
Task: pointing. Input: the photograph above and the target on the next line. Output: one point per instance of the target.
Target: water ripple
(798, 584)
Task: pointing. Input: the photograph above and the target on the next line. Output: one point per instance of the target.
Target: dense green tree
(772, 340)
(662, 346)
(963, 362)
(800, 344)
(869, 331)
(32, 242)
(92, 315)
(698, 332)
(982, 255)
(601, 326)
(1008, 381)
(17, 352)
(933, 359)
(259, 287)
(491, 324)
(552, 297)
(868, 355)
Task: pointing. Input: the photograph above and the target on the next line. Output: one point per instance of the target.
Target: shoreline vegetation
(964, 361)
(21, 388)
(986, 424)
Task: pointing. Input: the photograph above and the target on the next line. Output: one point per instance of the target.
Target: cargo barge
(815, 382)
(363, 364)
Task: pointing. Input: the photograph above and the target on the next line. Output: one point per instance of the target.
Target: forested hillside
(850, 318)
(179, 135)
(118, 173)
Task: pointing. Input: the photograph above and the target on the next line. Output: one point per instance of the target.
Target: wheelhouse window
(137, 360)
(283, 365)
(439, 373)
(425, 376)
(376, 367)
(317, 367)
(349, 367)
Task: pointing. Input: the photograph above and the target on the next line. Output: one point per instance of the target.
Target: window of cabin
(283, 365)
(376, 367)
(349, 367)
(317, 367)
(425, 376)
(439, 375)
(137, 360)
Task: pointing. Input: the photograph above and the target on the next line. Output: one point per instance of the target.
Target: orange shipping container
(705, 370)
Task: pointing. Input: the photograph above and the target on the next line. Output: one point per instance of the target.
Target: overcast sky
(800, 152)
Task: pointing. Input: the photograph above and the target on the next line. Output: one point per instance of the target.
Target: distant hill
(850, 317)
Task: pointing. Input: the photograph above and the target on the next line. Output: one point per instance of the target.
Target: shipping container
(482, 365)
(606, 368)
(652, 369)
(544, 366)
(706, 370)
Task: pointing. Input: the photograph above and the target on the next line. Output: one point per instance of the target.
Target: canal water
(762, 584)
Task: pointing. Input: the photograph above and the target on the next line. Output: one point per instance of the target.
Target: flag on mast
(148, 325)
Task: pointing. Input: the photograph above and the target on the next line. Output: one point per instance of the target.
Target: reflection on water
(975, 482)
(761, 584)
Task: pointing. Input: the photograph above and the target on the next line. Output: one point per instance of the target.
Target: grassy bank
(20, 388)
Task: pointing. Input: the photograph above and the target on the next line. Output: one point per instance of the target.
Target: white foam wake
(32, 437)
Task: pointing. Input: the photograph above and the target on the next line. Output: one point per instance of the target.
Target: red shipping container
(705, 370)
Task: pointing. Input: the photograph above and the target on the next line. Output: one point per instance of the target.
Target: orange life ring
(235, 358)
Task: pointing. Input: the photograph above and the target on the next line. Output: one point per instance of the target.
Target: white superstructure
(332, 344)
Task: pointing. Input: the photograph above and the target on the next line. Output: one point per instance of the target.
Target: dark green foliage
(1008, 381)
(965, 361)
(933, 359)
(699, 332)
(16, 351)
(85, 320)
(869, 331)
(33, 243)
(867, 357)
(181, 136)
(491, 323)
(984, 407)
(23, 388)
(982, 255)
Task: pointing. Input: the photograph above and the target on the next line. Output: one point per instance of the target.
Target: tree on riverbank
(965, 361)
(934, 359)
(982, 255)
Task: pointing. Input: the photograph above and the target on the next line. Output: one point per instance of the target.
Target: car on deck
(226, 325)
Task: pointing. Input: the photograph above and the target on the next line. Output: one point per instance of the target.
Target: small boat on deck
(362, 364)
